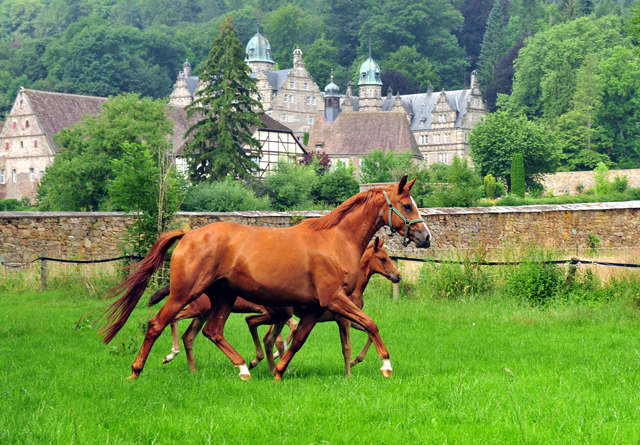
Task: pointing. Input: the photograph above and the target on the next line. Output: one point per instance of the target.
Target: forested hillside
(105, 47)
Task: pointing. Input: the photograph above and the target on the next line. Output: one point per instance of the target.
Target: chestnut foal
(374, 260)
(199, 310)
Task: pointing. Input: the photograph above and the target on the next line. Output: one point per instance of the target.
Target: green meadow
(476, 369)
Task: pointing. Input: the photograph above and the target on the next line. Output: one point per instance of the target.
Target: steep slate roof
(192, 84)
(420, 106)
(361, 132)
(56, 111)
(275, 78)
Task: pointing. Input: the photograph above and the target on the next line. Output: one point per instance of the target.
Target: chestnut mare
(314, 264)
(374, 260)
(198, 310)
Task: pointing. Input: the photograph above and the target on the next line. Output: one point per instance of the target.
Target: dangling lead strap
(407, 223)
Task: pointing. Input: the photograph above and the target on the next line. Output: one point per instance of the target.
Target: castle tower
(370, 91)
(331, 101)
(186, 69)
(259, 54)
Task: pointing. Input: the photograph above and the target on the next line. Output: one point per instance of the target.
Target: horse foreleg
(270, 340)
(341, 305)
(253, 324)
(270, 317)
(175, 349)
(214, 331)
(307, 322)
(189, 337)
(344, 326)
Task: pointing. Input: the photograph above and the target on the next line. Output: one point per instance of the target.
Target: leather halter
(407, 223)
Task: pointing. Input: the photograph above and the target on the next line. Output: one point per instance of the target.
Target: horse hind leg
(189, 337)
(214, 330)
(175, 348)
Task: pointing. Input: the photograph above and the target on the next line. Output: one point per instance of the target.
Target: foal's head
(410, 224)
(376, 260)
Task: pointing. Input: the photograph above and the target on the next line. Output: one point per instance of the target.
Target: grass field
(575, 378)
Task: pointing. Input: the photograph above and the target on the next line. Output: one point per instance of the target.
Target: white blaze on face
(423, 223)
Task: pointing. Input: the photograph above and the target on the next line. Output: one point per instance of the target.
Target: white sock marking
(386, 365)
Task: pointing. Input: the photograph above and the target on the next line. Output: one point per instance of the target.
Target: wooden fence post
(43, 272)
(396, 286)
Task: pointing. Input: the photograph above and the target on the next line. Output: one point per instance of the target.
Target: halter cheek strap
(407, 222)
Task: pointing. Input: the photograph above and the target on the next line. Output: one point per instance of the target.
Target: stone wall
(26, 235)
(566, 182)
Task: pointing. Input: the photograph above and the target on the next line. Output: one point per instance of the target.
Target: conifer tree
(494, 44)
(226, 108)
(517, 175)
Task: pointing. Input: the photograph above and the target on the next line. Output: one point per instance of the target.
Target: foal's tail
(158, 296)
(135, 284)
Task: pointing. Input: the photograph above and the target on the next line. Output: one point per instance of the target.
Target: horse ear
(381, 243)
(402, 183)
(376, 243)
(410, 184)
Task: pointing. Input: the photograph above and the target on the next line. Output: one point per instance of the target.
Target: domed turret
(259, 53)
(370, 85)
(331, 101)
(186, 69)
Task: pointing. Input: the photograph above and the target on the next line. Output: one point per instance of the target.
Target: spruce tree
(494, 45)
(226, 110)
(517, 175)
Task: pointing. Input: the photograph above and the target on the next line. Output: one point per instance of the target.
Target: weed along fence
(89, 237)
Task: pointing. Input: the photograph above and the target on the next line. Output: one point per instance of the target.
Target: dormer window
(251, 52)
(377, 76)
(364, 76)
(269, 53)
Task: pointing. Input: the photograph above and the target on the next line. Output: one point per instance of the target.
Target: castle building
(289, 96)
(440, 122)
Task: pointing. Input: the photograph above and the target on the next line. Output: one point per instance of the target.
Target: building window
(444, 158)
(35, 144)
(370, 93)
(311, 119)
(308, 100)
(21, 103)
(437, 139)
(318, 146)
(7, 146)
(291, 98)
(447, 137)
(26, 124)
(2, 176)
(314, 101)
(284, 118)
(377, 93)
(306, 86)
(41, 174)
(32, 174)
(466, 137)
(14, 175)
(424, 139)
(21, 144)
(286, 98)
(293, 84)
(15, 125)
(269, 113)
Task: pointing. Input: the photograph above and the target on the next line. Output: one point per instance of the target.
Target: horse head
(378, 261)
(402, 216)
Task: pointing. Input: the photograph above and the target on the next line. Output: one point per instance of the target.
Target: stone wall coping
(317, 214)
(532, 208)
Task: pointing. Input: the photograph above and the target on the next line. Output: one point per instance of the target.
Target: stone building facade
(290, 96)
(26, 139)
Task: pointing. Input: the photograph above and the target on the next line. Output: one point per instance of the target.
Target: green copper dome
(369, 73)
(332, 90)
(258, 49)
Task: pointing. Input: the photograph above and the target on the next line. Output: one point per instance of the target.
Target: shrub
(336, 186)
(501, 189)
(290, 186)
(535, 279)
(224, 196)
(10, 205)
(517, 175)
(601, 176)
(490, 186)
(620, 183)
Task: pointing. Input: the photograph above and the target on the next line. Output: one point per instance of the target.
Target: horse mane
(337, 215)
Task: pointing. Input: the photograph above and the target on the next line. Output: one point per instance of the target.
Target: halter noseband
(407, 223)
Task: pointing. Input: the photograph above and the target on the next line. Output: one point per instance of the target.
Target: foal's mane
(337, 215)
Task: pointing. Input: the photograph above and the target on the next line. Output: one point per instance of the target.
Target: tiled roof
(56, 111)
(361, 132)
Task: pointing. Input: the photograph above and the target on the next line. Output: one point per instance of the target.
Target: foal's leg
(175, 349)
(341, 305)
(344, 326)
(307, 322)
(189, 336)
(281, 344)
(360, 357)
(214, 331)
(271, 316)
(270, 339)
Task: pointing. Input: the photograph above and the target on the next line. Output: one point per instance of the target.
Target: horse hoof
(386, 369)
(244, 373)
(132, 377)
(388, 373)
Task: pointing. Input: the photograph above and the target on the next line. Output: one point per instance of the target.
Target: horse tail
(158, 296)
(135, 284)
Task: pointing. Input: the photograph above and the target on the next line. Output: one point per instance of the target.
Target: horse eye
(407, 207)
(383, 260)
